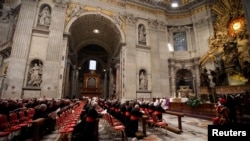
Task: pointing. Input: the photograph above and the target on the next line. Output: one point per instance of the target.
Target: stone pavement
(193, 130)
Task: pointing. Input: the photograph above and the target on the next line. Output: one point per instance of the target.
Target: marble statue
(35, 75)
(143, 81)
(142, 34)
(76, 11)
(44, 17)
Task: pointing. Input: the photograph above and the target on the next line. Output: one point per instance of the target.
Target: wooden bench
(171, 128)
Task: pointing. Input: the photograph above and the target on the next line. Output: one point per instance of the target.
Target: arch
(87, 42)
(184, 77)
(72, 20)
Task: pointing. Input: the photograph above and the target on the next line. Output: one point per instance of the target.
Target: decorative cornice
(166, 5)
(5, 49)
(131, 19)
(119, 19)
(6, 16)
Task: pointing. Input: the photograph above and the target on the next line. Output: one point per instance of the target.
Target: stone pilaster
(154, 61)
(197, 75)
(55, 52)
(20, 49)
(172, 77)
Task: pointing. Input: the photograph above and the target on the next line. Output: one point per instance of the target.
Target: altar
(184, 92)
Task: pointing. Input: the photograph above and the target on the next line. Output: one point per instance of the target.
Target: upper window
(92, 64)
(180, 41)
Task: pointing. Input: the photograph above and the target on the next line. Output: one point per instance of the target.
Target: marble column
(110, 84)
(74, 80)
(118, 80)
(66, 86)
(197, 75)
(105, 95)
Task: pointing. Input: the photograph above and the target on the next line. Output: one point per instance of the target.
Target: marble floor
(193, 130)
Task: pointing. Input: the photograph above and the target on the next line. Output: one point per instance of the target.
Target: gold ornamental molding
(230, 22)
(232, 89)
(75, 9)
(226, 11)
(130, 5)
(205, 90)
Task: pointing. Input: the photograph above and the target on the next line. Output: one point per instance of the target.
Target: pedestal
(30, 92)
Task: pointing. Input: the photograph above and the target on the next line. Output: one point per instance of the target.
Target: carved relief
(61, 3)
(131, 19)
(153, 24)
(76, 11)
(8, 19)
(162, 26)
(119, 19)
(35, 73)
(5, 16)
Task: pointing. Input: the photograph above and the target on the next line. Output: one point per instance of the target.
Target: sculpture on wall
(76, 10)
(35, 74)
(143, 82)
(219, 76)
(205, 81)
(142, 34)
(44, 16)
(229, 48)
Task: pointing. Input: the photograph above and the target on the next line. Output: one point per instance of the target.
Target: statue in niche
(35, 75)
(182, 81)
(142, 81)
(44, 17)
(142, 34)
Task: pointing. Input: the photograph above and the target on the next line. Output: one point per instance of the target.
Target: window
(180, 42)
(92, 64)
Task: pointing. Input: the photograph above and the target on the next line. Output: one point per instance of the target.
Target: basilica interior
(171, 46)
(180, 50)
